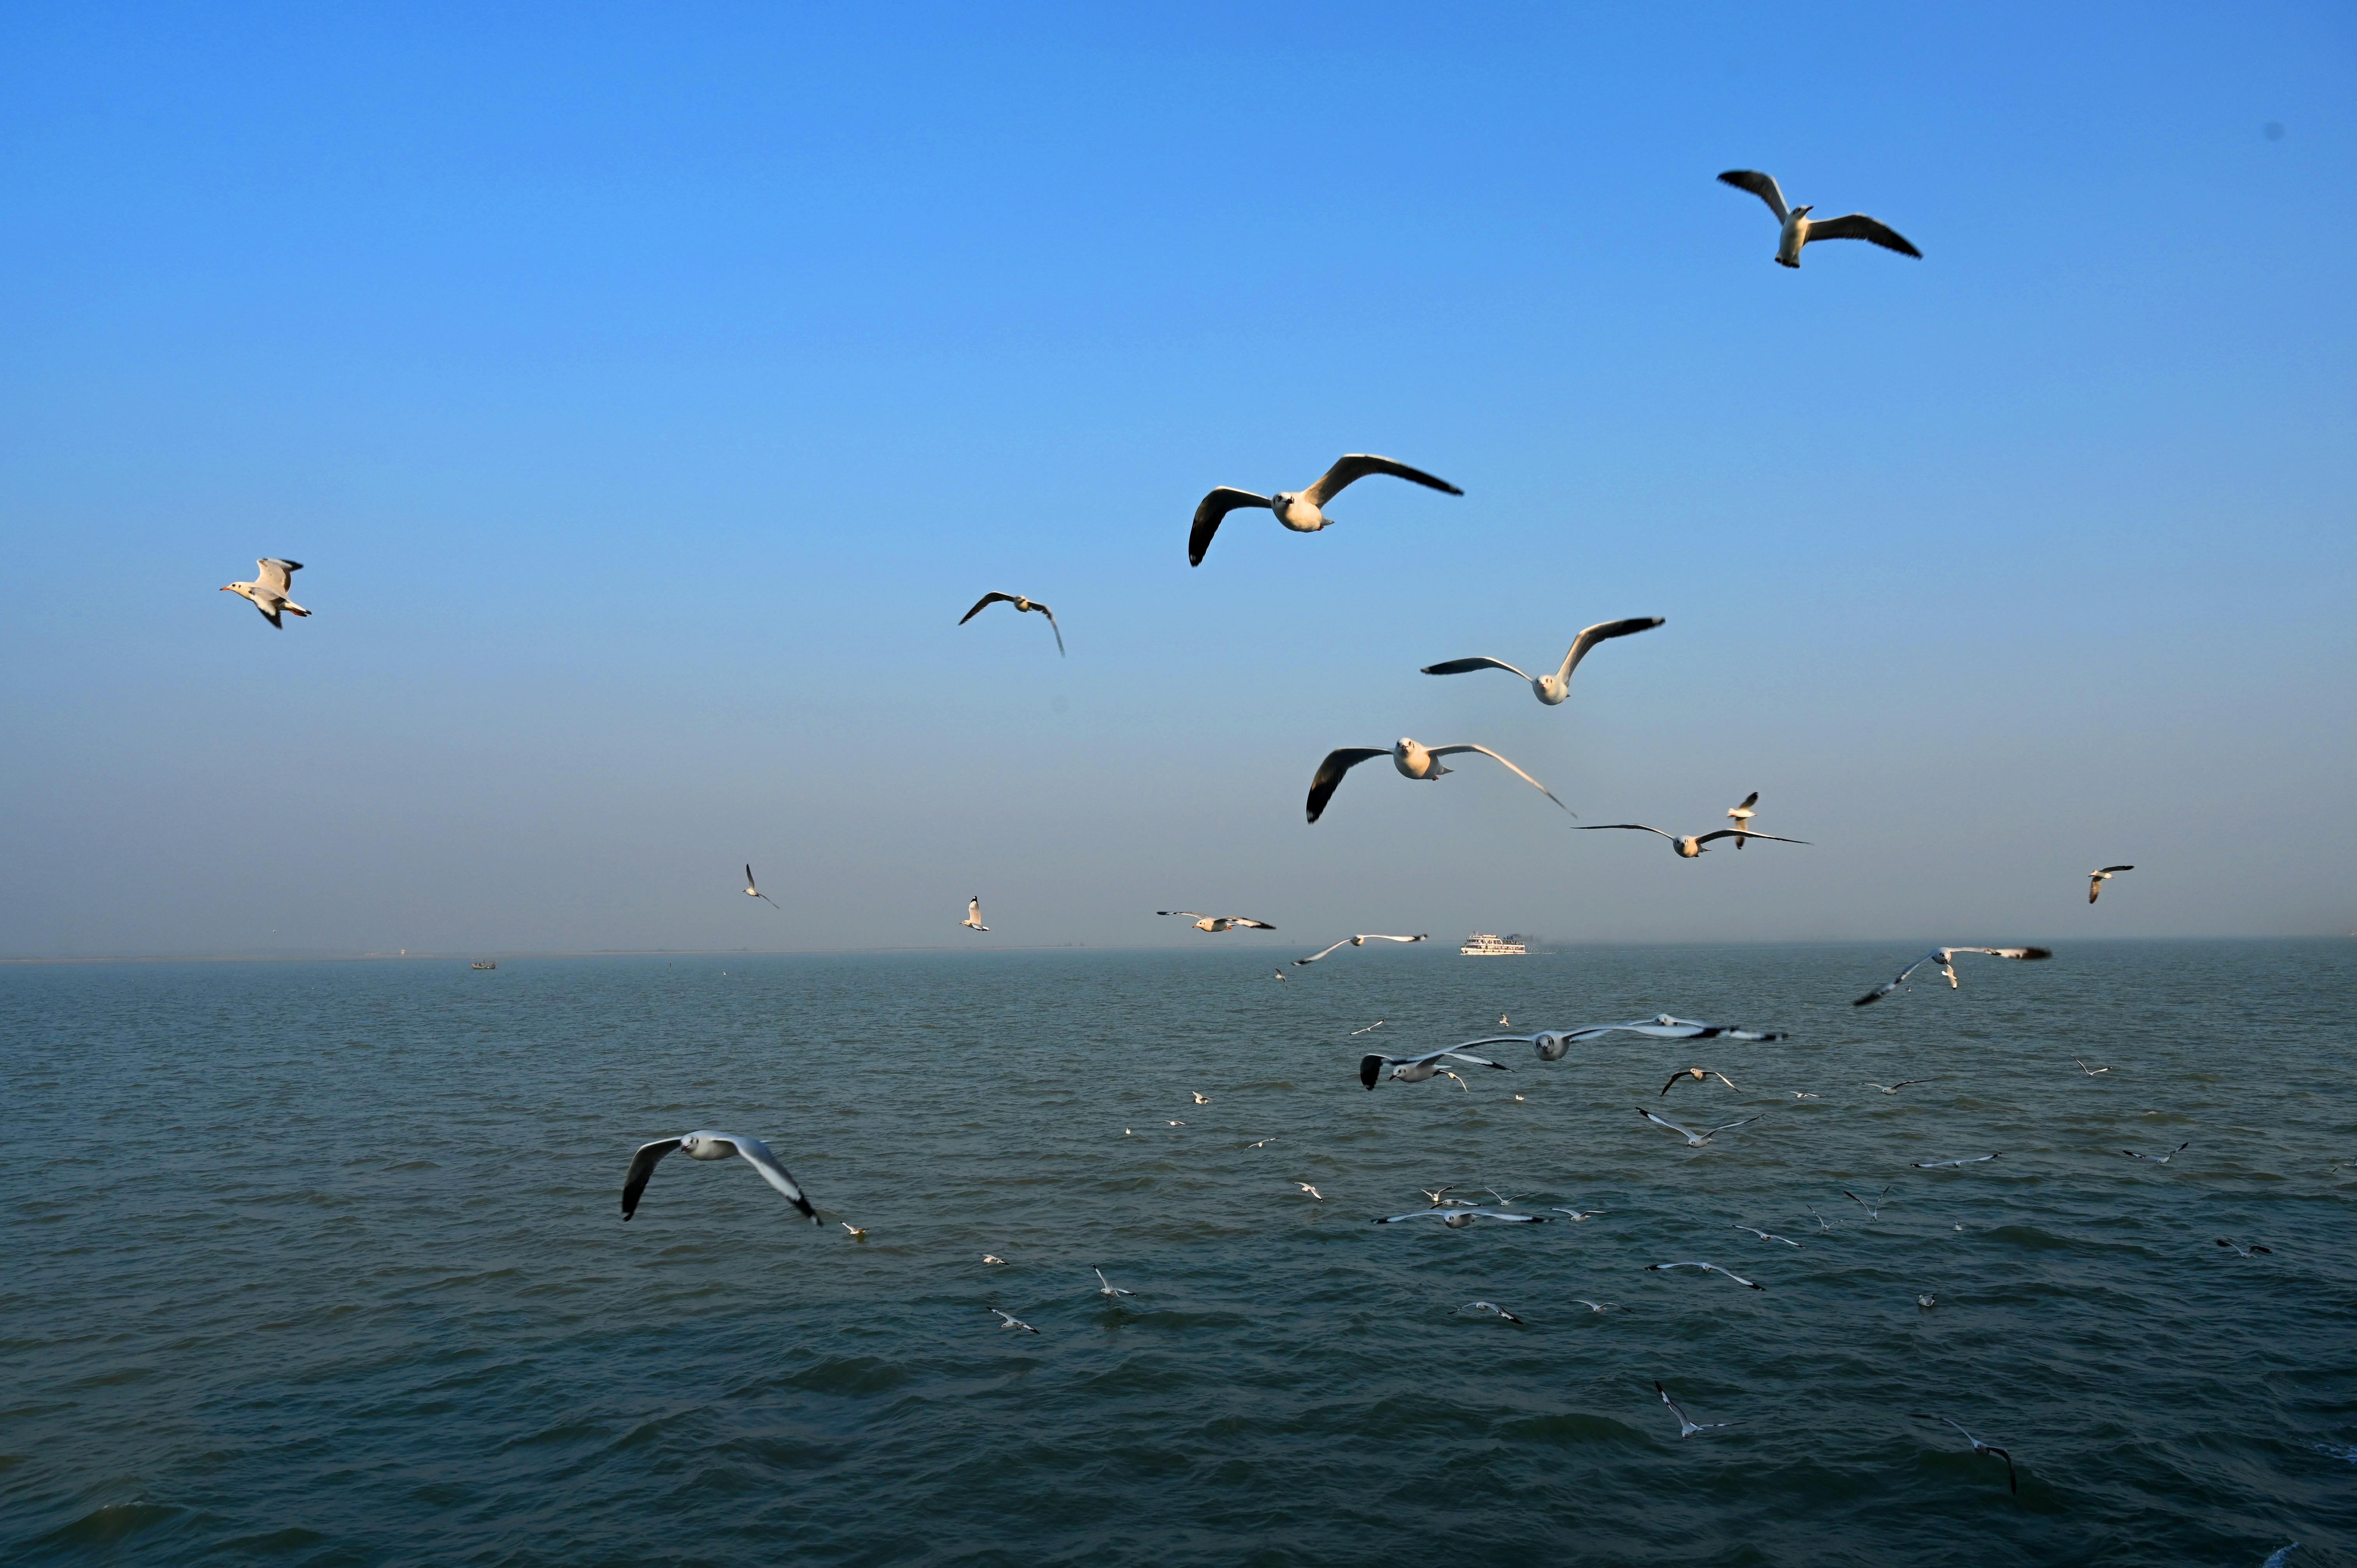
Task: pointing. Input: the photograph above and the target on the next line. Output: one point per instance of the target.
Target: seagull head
(1803, 211)
(1551, 688)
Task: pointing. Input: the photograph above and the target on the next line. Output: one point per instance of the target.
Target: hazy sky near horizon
(649, 390)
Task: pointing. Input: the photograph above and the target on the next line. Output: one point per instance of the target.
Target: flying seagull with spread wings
(1413, 760)
(1217, 923)
(1944, 959)
(267, 592)
(1417, 1070)
(1689, 845)
(1989, 1449)
(1361, 941)
(1021, 604)
(1699, 1074)
(1707, 1268)
(1800, 228)
(1551, 688)
(1687, 1428)
(1696, 1138)
(711, 1146)
(1741, 814)
(753, 890)
(1553, 1044)
(974, 914)
(1300, 511)
(1461, 1218)
(2095, 879)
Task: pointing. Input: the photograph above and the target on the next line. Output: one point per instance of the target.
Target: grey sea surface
(323, 1262)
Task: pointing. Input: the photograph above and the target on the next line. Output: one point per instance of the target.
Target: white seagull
(2090, 1071)
(1741, 814)
(1458, 1218)
(1874, 1209)
(1944, 959)
(1412, 759)
(753, 891)
(267, 592)
(974, 914)
(1310, 1190)
(1765, 1236)
(1416, 1070)
(1694, 1139)
(992, 1258)
(1699, 1074)
(1552, 1043)
(1218, 923)
(1579, 1214)
(2242, 1252)
(1008, 1320)
(1596, 1306)
(1943, 1164)
(2095, 879)
(1691, 844)
(2160, 1159)
(1895, 1088)
(1688, 1428)
(1551, 688)
(1362, 941)
(1492, 1307)
(1800, 228)
(1300, 511)
(711, 1146)
(856, 1233)
(1370, 1029)
(1990, 1449)
(1107, 1289)
(1020, 604)
(1200, 1098)
(1710, 1268)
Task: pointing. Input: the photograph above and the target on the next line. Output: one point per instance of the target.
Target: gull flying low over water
(1990, 1449)
(2160, 1159)
(1694, 1139)
(711, 1146)
(1200, 1098)
(1107, 1289)
(1741, 814)
(2095, 879)
(2242, 1252)
(1458, 1218)
(1699, 1074)
(1895, 1088)
(2090, 1071)
(267, 592)
(1021, 604)
(1362, 941)
(1692, 844)
(1412, 759)
(974, 914)
(1008, 1320)
(1708, 1268)
(1551, 688)
(1687, 1428)
(1579, 1214)
(1766, 1236)
(1596, 1306)
(1799, 228)
(856, 1233)
(1943, 1164)
(1492, 1307)
(1874, 1209)
(753, 891)
(1218, 923)
(1944, 959)
(1416, 1070)
(992, 1258)
(1303, 511)
(1312, 1191)
(1552, 1043)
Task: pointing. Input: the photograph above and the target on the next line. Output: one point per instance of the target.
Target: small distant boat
(484, 964)
(1482, 944)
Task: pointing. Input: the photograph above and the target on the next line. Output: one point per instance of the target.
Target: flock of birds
(1304, 512)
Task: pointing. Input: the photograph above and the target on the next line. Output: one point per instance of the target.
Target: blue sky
(648, 390)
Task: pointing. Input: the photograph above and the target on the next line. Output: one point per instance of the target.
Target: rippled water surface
(324, 1262)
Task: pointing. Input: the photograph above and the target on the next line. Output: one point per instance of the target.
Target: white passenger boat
(1482, 944)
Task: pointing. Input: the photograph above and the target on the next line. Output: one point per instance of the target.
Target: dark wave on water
(323, 1264)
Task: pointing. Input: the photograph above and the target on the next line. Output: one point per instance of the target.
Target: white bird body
(1303, 511)
(1741, 814)
(2095, 879)
(1417, 1070)
(1413, 760)
(1021, 605)
(1796, 227)
(753, 890)
(1361, 942)
(1107, 1289)
(1551, 688)
(267, 592)
(708, 1145)
(974, 914)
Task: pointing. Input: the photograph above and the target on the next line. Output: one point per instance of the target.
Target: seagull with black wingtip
(1551, 688)
(1798, 229)
(1944, 960)
(1021, 605)
(711, 1146)
(1303, 511)
(1413, 760)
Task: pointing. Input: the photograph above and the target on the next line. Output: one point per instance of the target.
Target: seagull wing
(2109, 869)
(1887, 986)
(274, 575)
(1379, 937)
(642, 1166)
(2031, 953)
(1370, 1067)
(1457, 1053)
(984, 603)
(1313, 958)
(1743, 834)
(1665, 1122)
(757, 1154)
(1357, 466)
(1640, 827)
(1467, 666)
(1329, 774)
(1601, 631)
(1859, 226)
(1051, 625)
(1730, 1273)
(1762, 186)
(1255, 925)
(1731, 1126)
(1748, 801)
(1208, 513)
(1452, 750)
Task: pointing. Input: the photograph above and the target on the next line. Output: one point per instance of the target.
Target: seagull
(1579, 1214)
(1434, 1194)
(1413, 760)
(1280, 975)
(2090, 1071)
(1688, 1428)
(1765, 1236)
(1178, 1123)
(992, 1258)
(1596, 1306)
(2242, 1251)
(1370, 1029)
(1020, 604)
(1300, 511)
(1741, 814)
(1416, 1070)
(1107, 1289)
(2160, 1159)
(1804, 1094)
(1502, 1314)
(1945, 959)
(1503, 1021)
(268, 590)
(1458, 1218)
(1218, 923)
(1008, 1320)
(1942, 1164)
(1927, 1301)
(1694, 1140)
(1200, 1099)
(1990, 1449)
(1552, 1043)
(1551, 688)
(711, 1146)
(1264, 1143)
(1504, 1201)
(1710, 1268)
(1800, 228)
(1692, 844)
(1823, 1223)
(1310, 1190)
(1460, 1082)
(2095, 879)
(751, 891)
(1362, 941)
(1874, 1209)
(1699, 1074)
(1895, 1088)
(974, 914)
